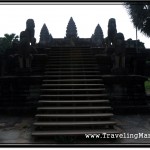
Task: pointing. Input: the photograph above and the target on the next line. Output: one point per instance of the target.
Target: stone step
(74, 68)
(62, 103)
(71, 72)
(74, 95)
(73, 56)
(71, 59)
(79, 123)
(71, 65)
(73, 81)
(73, 85)
(71, 76)
(67, 51)
(72, 62)
(74, 132)
(70, 49)
(64, 53)
(71, 53)
(72, 101)
(51, 90)
(75, 108)
(73, 91)
(82, 115)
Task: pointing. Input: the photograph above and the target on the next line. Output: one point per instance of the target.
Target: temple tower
(45, 36)
(97, 37)
(71, 29)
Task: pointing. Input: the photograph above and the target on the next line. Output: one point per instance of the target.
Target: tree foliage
(140, 15)
(6, 41)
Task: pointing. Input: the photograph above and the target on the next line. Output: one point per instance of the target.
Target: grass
(147, 84)
(148, 62)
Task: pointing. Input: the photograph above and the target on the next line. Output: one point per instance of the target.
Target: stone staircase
(73, 100)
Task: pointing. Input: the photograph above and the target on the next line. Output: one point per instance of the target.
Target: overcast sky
(13, 19)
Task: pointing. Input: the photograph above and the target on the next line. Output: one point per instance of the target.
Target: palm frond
(139, 13)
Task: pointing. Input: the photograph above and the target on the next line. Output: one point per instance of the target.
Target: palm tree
(140, 16)
(6, 41)
(9, 38)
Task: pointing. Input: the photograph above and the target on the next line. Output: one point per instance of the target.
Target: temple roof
(71, 29)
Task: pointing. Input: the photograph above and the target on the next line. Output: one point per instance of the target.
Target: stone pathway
(134, 124)
(17, 130)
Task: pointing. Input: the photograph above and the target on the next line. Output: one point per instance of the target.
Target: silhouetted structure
(45, 37)
(71, 31)
(24, 51)
(71, 87)
(112, 31)
(119, 52)
(132, 44)
(30, 29)
(98, 37)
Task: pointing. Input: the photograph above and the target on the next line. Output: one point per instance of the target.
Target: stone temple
(73, 88)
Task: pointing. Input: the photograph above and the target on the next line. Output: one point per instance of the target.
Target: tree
(9, 38)
(140, 16)
(6, 41)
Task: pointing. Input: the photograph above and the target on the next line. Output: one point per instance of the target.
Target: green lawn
(147, 84)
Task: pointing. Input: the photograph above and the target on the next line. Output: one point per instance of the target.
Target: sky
(56, 17)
